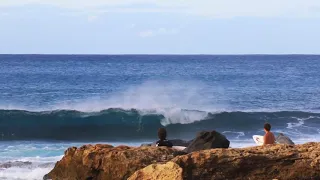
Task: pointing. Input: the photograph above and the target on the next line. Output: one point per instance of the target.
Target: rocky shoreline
(282, 161)
(269, 162)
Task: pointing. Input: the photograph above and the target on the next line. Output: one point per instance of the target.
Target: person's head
(267, 127)
(162, 133)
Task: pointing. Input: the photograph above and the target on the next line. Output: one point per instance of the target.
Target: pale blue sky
(160, 27)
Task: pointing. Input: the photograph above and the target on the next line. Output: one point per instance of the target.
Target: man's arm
(264, 139)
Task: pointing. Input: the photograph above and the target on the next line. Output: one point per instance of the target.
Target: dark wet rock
(15, 164)
(179, 142)
(46, 177)
(282, 139)
(208, 140)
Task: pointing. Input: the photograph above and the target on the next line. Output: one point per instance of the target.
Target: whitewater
(49, 103)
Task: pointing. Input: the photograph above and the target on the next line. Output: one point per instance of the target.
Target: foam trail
(300, 122)
(239, 134)
(24, 173)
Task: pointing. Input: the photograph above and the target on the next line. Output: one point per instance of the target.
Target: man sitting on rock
(268, 137)
(162, 134)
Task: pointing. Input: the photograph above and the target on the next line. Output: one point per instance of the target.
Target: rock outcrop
(282, 139)
(285, 162)
(106, 162)
(208, 140)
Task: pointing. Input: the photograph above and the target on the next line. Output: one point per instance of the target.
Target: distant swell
(127, 125)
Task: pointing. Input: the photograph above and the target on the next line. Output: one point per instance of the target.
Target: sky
(159, 27)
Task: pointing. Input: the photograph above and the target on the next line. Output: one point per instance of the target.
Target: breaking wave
(125, 125)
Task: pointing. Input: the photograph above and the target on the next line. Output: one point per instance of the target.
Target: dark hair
(162, 133)
(267, 126)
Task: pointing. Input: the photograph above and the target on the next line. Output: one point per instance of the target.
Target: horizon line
(154, 54)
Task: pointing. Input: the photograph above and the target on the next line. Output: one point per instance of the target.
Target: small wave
(300, 122)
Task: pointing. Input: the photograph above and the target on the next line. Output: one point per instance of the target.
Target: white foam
(16, 173)
(236, 143)
(40, 163)
(239, 134)
(39, 160)
(170, 99)
(300, 122)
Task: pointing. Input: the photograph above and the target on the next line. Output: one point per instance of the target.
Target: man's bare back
(269, 138)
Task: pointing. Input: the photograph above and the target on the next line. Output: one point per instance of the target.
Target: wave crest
(120, 125)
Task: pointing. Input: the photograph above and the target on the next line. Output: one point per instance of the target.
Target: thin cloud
(4, 14)
(92, 18)
(160, 31)
(147, 33)
(211, 8)
(132, 26)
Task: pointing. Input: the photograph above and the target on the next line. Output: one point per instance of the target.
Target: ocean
(51, 102)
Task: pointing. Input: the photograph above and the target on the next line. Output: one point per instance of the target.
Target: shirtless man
(162, 134)
(268, 137)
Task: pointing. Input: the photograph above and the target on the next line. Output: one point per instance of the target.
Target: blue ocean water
(51, 102)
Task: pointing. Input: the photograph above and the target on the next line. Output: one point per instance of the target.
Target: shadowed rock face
(106, 162)
(285, 162)
(204, 140)
(282, 139)
(208, 140)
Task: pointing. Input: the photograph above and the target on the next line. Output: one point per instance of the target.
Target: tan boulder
(106, 162)
(168, 171)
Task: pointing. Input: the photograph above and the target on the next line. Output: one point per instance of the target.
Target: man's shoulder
(269, 134)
